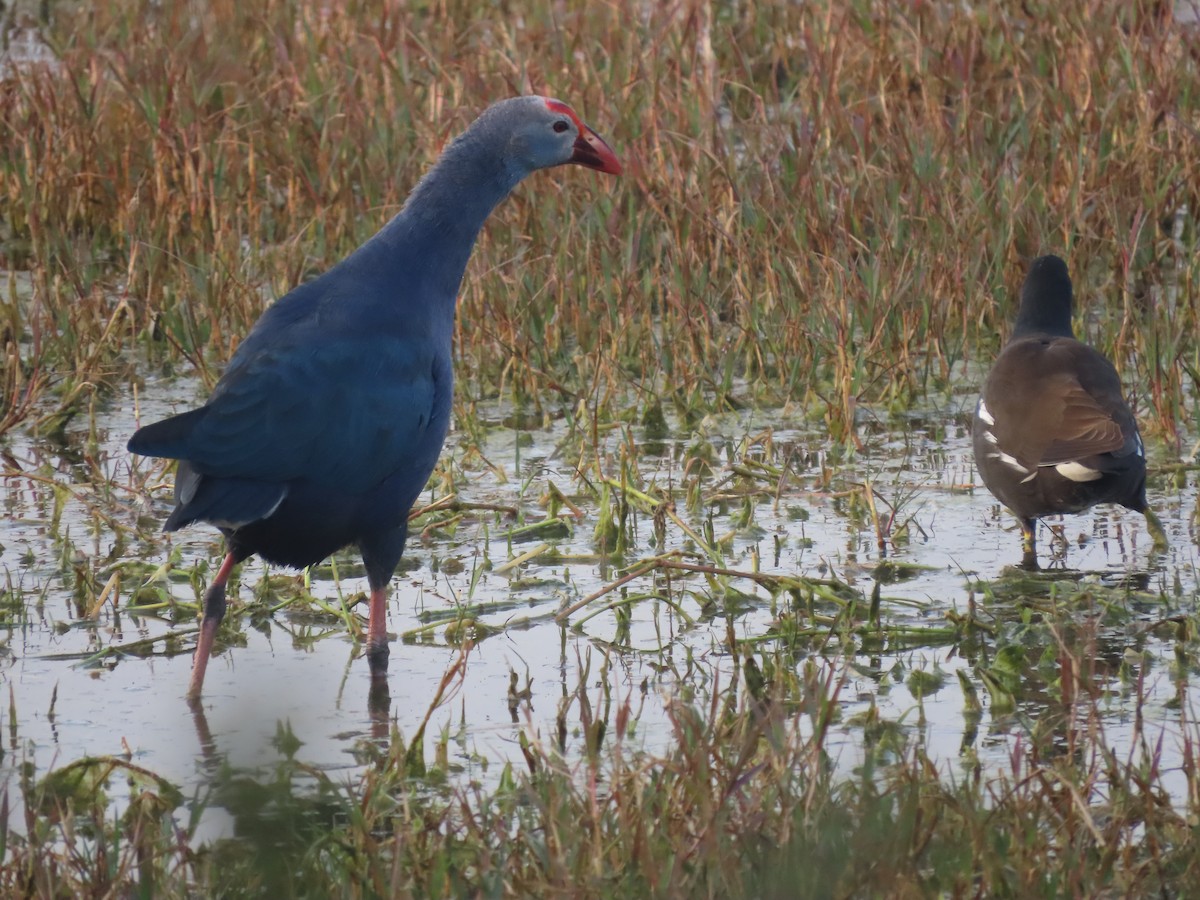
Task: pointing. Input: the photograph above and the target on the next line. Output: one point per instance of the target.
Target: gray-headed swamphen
(1052, 431)
(328, 421)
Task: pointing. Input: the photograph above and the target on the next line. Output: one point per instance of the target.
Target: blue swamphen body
(330, 417)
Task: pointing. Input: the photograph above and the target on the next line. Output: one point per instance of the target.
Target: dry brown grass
(823, 203)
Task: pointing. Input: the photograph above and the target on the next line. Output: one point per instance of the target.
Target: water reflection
(672, 599)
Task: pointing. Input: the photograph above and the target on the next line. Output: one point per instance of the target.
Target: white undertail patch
(1077, 472)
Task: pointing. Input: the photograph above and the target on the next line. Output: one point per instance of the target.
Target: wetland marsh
(704, 597)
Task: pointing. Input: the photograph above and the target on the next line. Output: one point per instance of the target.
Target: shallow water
(300, 668)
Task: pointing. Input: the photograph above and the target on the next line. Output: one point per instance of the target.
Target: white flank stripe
(984, 415)
(1077, 472)
(990, 438)
(1010, 461)
(278, 503)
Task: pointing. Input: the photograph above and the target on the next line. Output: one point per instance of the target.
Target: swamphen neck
(432, 236)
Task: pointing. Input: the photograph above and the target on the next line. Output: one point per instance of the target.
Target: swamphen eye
(561, 125)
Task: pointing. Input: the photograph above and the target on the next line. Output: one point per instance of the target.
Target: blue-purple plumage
(329, 419)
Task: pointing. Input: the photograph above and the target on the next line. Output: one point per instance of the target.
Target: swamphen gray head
(540, 132)
(509, 141)
(330, 417)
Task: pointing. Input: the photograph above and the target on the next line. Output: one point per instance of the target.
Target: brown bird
(1052, 431)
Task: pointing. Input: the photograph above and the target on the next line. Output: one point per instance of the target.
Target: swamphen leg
(379, 699)
(381, 554)
(377, 639)
(214, 612)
